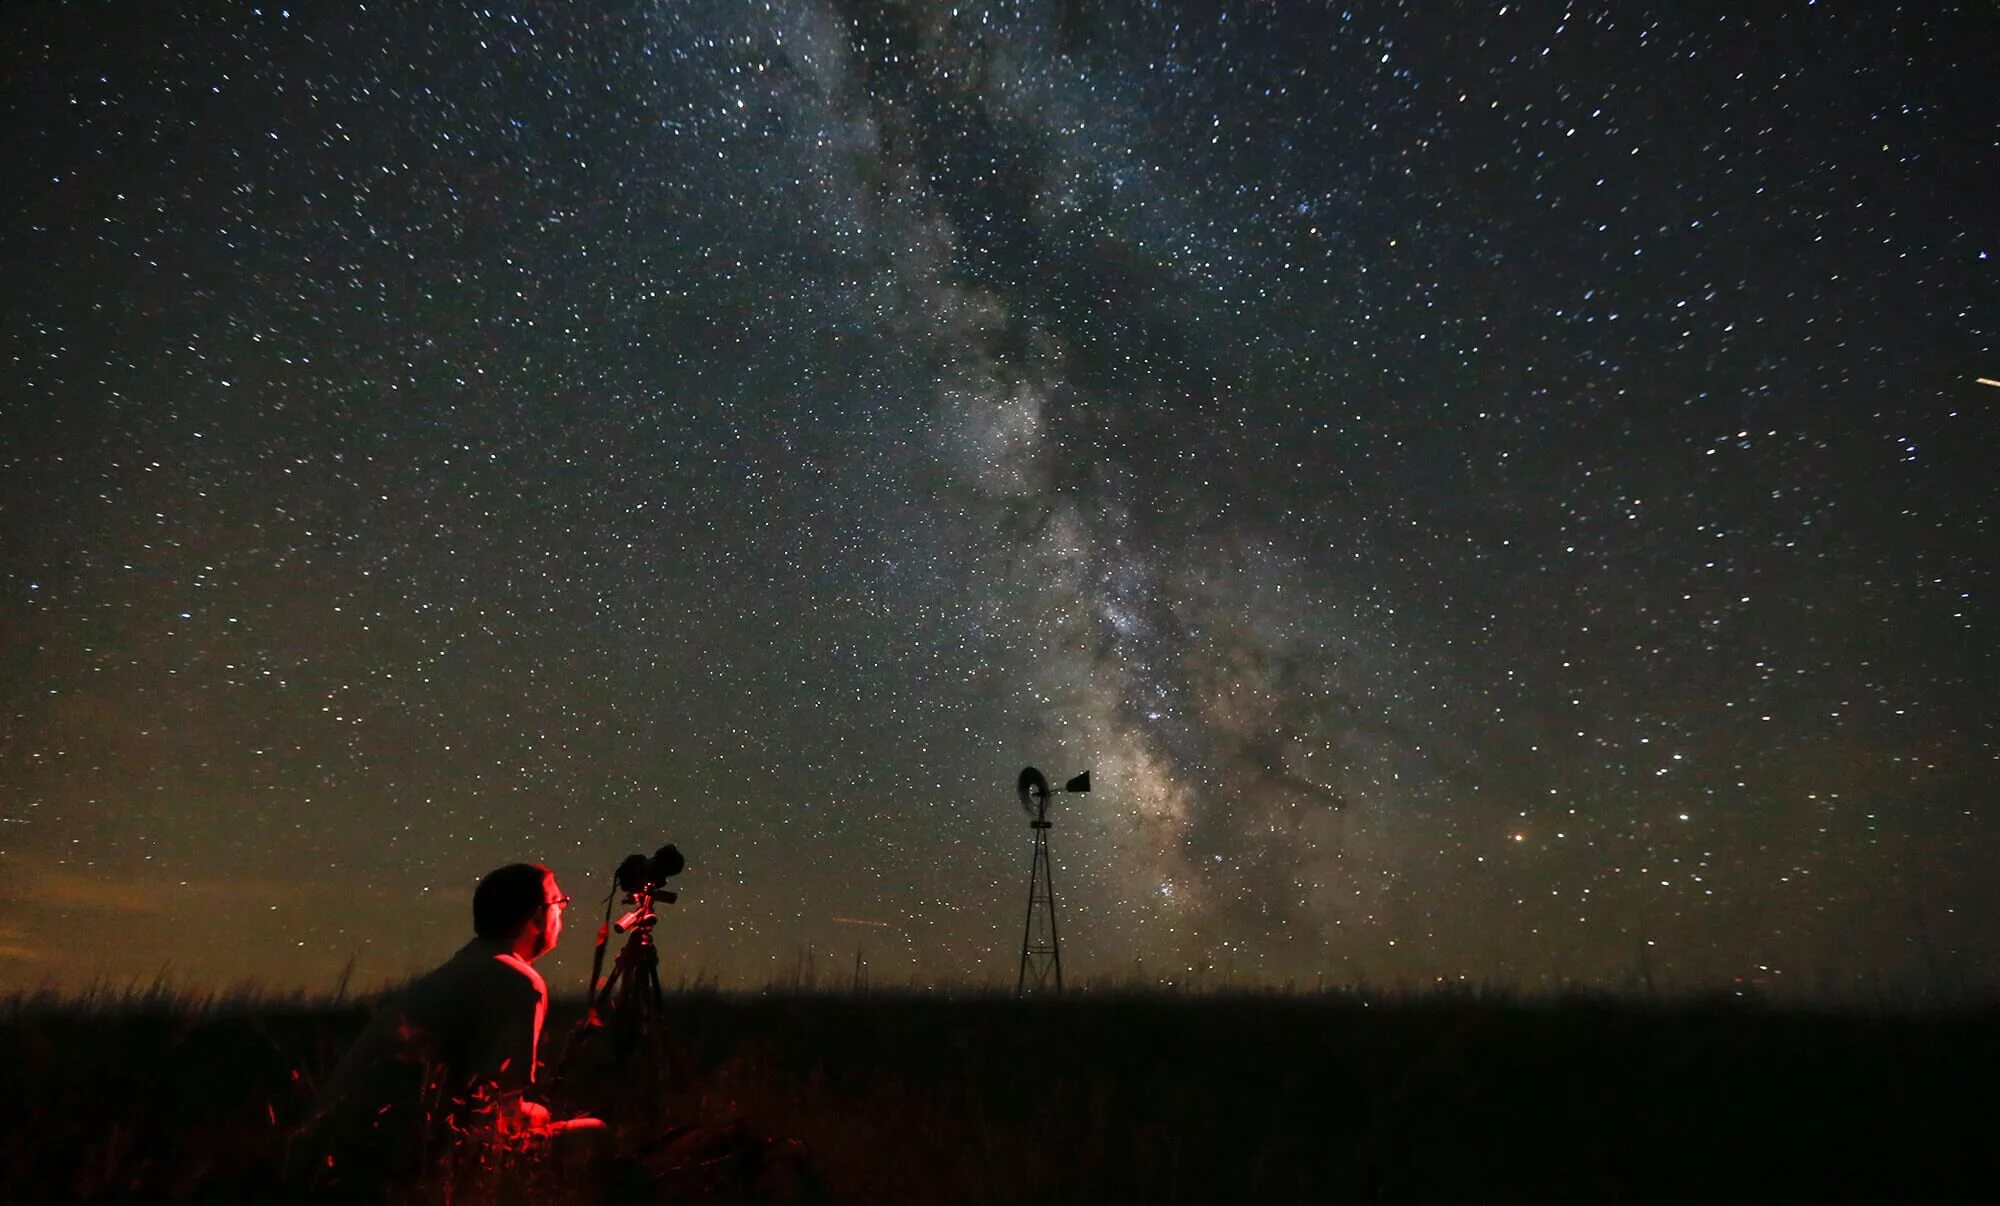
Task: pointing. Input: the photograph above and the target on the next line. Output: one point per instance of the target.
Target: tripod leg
(621, 1015)
(620, 973)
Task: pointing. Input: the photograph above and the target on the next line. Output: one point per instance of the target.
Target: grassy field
(1101, 1098)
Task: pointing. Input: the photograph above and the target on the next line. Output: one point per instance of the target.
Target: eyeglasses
(560, 902)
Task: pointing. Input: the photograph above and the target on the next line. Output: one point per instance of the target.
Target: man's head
(521, 906)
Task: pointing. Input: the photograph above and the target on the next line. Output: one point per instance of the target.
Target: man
(451, 1057)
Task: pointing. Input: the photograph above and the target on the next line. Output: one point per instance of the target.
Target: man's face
(551, 916)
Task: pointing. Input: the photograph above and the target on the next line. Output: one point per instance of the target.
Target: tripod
(629, 1001)
(631, 993)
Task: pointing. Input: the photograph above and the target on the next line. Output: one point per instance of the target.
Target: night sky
(1499, 491)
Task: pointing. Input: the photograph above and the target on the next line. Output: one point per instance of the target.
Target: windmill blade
(1033, 788)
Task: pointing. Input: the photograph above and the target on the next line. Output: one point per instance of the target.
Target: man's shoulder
(484, 967)
(518, 973)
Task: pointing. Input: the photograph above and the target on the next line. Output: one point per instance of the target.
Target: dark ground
(1104, 1099)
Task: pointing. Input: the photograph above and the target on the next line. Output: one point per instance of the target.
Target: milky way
(1491, 494)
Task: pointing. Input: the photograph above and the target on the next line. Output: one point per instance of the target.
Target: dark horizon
(1485, 494)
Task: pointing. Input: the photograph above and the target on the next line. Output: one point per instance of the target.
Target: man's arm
(507, 1036)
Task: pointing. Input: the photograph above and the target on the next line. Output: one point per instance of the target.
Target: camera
(640, 878)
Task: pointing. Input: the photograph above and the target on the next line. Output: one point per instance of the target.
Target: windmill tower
(1041, 953)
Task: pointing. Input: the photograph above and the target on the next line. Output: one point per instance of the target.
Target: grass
(1102, 1097)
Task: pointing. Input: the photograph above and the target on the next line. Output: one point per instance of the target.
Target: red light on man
(454, 1053)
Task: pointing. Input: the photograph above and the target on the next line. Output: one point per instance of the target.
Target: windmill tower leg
(1049, 894)
(1041, 953)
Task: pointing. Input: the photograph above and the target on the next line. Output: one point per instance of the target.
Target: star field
(1489, 491)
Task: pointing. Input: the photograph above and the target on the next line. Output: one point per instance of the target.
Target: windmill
(1041, 955)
